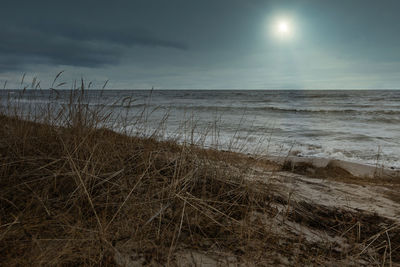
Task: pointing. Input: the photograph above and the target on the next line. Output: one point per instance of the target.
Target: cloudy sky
(203, 44)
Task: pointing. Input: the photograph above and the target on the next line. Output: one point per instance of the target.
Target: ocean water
(359, 126)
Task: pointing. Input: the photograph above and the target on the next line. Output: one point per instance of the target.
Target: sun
(282, 28)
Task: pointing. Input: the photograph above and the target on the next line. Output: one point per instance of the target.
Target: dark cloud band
(74, 47)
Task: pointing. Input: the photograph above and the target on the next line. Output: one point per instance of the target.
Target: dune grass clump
(74, 192)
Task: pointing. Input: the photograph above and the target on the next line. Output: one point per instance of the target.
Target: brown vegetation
(72, 192)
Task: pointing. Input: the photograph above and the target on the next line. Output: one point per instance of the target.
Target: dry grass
(335, 173)
(73, 192)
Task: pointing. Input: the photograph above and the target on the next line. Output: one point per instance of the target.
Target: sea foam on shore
(354, 126)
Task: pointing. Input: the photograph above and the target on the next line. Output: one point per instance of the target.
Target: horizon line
(217, 89)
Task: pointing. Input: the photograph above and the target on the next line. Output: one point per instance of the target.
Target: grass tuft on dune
(75, 192)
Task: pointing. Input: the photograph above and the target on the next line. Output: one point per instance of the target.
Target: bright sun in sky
(283, 29)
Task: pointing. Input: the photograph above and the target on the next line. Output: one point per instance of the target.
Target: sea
(354, 125)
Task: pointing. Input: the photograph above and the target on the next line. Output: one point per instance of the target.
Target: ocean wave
(386, 120)
(142, 105)
(340, 111)
(372, 115)
(292, 110)
(329, 96)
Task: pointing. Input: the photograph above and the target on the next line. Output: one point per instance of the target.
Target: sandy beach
(200, 133)
(132, 201)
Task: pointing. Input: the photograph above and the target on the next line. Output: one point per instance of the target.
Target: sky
(203, 44)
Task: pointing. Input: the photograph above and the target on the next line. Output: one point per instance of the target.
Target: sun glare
(282, 28)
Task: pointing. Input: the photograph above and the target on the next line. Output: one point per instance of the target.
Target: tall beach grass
(75, 192)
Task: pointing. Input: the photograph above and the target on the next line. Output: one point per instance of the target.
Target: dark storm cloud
(115, 35)
(190, 43)
(42, 35)
(23, 46)
(79, 48)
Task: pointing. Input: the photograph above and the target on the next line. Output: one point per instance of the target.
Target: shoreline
(360, 170)
(355, 138)
(112, 198)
